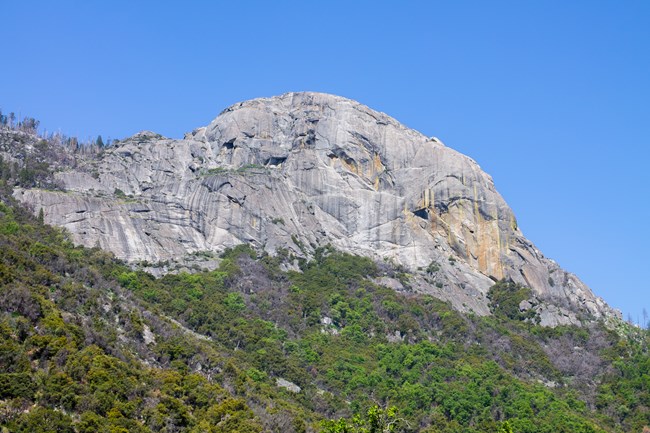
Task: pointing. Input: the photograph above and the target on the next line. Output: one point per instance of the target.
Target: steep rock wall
(303, 170)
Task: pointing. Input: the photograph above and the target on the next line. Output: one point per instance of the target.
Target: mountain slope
(301, 171)
(87, 344)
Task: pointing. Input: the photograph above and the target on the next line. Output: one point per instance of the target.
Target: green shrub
(505, 297)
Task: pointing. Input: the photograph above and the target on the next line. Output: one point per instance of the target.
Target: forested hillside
(282, 344)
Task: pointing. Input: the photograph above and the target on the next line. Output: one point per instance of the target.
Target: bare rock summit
(303, 170)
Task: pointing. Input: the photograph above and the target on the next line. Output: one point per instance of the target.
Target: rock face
(303, 170)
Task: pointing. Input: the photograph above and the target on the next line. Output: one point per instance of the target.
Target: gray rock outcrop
(304, 170)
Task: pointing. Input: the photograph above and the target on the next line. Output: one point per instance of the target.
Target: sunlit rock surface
(304, 170)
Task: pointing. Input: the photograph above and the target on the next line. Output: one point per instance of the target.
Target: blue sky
(549, 97)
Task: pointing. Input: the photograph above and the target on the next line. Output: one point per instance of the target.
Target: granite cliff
(304, 170)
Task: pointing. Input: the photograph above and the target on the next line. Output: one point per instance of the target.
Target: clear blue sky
(549, 97)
